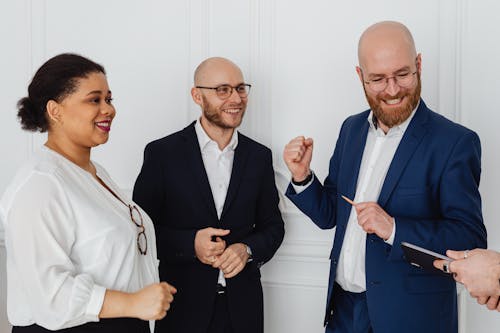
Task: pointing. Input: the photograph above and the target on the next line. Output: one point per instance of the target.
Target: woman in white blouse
(81, 256)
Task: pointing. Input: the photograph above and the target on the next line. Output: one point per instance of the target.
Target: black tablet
(420, 257)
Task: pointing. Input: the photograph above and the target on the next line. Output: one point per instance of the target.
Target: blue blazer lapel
(239, 164)
(197, 168)
(413, 136)
(353, 147)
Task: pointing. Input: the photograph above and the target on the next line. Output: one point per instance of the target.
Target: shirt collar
(204, 139)
(401, 128)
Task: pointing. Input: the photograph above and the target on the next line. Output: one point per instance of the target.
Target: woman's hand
(150, 303)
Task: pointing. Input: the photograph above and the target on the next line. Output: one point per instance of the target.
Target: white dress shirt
(68, 239)
(377, 157)
(218, 165)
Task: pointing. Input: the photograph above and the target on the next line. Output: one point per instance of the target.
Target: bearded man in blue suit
(413, 176)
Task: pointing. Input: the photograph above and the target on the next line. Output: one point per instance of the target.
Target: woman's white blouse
(68, 239)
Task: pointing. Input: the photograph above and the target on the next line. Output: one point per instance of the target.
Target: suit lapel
(239, 163)
(197, 168)
(409, 143)
(355, 148)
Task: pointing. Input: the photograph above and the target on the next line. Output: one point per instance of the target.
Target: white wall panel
(15, 34)
(300, 58)
(15, 146)
(295, 281)
(315, 83)
(480, 87)
(293, 308)
(145, 50)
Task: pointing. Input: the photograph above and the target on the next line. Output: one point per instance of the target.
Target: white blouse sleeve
(41, 231)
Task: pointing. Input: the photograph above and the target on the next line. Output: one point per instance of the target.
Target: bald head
(385, 37)
(215, 70)
(389, 70)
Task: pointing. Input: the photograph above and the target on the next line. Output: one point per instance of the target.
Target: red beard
(391, 117)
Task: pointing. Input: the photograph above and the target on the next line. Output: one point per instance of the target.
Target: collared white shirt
(377, 157)
(68, 239)
(218, 166)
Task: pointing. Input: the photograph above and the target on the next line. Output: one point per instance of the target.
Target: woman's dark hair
(56, 79)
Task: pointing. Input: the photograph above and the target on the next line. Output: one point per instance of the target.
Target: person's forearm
(497, 277)
(149, 303)
(493, 271)
(117, 304)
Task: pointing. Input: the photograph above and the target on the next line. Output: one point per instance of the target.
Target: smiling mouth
(393, 101)
(104, 125)
(232, 111)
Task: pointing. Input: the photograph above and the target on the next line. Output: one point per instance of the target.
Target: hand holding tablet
(424, 258)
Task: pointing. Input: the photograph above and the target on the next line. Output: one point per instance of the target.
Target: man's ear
(196, 95)
(54, 111)
(360, 74)
(419, 63)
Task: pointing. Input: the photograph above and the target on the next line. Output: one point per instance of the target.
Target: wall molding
(38, 50)
(261, 69)
(298, 250)
(460, 28)
(295, 284)
(451, 29)
(199, 45)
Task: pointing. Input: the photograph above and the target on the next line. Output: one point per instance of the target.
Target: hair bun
(31, 118)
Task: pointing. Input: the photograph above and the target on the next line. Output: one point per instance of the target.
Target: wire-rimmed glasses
(225, 91)
(403, 78)
(136, 217)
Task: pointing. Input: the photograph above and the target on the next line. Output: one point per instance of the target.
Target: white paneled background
(300, 58)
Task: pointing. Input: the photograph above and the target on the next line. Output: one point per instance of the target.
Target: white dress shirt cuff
(95, 303)
(390, 240)
(300, 188)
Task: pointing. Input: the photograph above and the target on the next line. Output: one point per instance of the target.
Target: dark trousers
(121, 325)
(220, 322)
(350, 312)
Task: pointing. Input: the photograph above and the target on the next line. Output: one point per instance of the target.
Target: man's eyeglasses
(136, 217)
(225, 91)
(403, 79)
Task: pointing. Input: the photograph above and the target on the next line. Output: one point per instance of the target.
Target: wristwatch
(249, 252)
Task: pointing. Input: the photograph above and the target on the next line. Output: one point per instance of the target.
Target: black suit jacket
(173, 189)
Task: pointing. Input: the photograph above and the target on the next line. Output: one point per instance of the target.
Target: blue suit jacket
(174, 190)
(431, 189)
